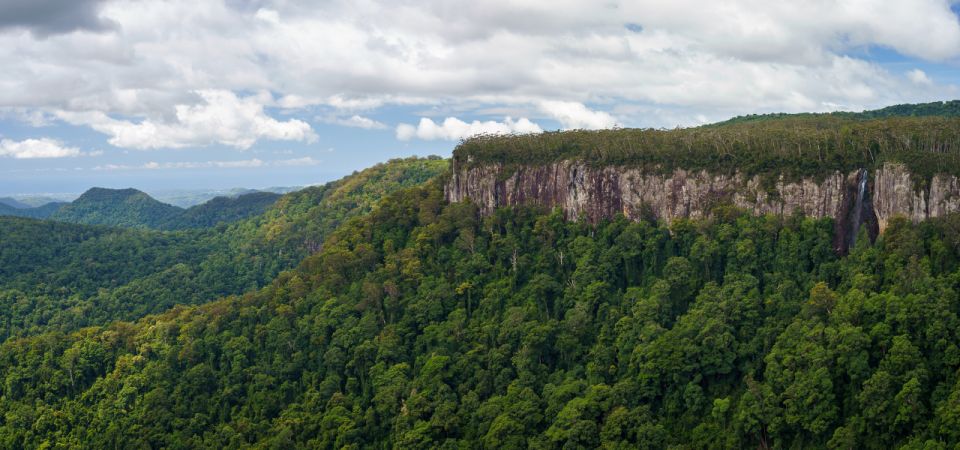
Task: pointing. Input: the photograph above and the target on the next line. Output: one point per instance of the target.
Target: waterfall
(857, 218)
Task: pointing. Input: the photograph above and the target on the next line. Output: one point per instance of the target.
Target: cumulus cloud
(452, 129)
(222, 118)
(573, 115)
(686, 56)
(919, 77)
(356, 121)
(36, 149)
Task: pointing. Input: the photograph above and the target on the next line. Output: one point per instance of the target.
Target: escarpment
(868, 198)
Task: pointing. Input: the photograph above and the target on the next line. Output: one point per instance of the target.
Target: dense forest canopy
(793, 145)
(422, 325)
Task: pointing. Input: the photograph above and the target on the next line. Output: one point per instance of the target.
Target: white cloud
(239, 164)
(153, 165)
(222, 118)
(235, 164)
(36, 148)
(573, 115)
(919, 77)
(453, 129)
(405, 131)
(268, 15)
(687, 57)
(305, 161)
(355, 121)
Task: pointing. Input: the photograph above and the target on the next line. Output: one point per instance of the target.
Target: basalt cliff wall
(854, 199)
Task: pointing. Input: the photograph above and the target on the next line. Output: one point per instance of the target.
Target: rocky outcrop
(855, 199)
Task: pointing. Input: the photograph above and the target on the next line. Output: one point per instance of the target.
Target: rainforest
(374, 312)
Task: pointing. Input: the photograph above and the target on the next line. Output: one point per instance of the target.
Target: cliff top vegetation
(807, 145)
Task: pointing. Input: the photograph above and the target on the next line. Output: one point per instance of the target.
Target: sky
(213, 94)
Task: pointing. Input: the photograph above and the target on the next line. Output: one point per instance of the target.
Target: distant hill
(7, 210)
(34, 201)
(40, 212)
(131, 208)
(9, 201)
(43, 211)
(934, 109)
(223, 209)
(186, 198)
(117, 207)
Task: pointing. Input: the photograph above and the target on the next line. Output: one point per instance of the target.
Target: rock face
(855, 199)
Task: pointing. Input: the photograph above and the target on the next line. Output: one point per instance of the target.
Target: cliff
(859, 197)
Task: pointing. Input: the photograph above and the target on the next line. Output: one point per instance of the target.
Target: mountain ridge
(131, 207)
(223, 209)
(34, 212)
(12, 202)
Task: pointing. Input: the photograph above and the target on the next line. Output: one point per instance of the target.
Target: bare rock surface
(855, 199)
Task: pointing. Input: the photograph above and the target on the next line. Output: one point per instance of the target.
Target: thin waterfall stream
(858, 208)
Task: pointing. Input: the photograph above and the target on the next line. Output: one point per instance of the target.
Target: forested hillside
(85, 258)
(117, 207)
(39, 212)
(130, 208)
(422, 326)
(65, 276)
(222, 209)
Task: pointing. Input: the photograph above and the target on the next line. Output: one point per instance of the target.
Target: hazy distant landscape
(183, 198)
